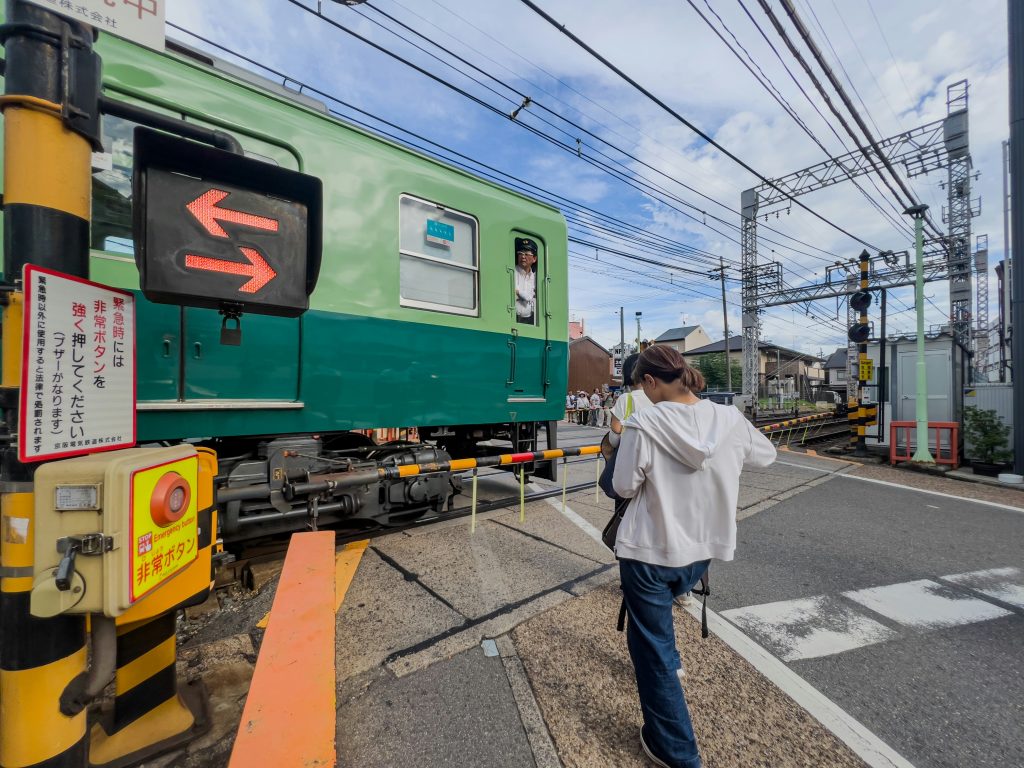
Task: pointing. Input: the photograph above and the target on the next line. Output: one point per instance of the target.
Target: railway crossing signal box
(218, 230)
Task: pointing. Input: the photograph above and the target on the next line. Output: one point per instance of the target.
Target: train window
(438, 266)
(112, 188)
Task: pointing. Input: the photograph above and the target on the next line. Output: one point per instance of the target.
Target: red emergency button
(170, 499)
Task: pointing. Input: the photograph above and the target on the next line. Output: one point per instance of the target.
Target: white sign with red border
(78, 367)
(141, 21)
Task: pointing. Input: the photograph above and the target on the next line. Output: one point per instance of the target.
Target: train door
(265, 365)
(528, 340)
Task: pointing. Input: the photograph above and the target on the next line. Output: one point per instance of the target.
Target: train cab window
(438, 262)
(526, 255)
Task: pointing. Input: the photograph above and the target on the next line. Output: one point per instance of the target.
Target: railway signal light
(859, 333)
(860, 301)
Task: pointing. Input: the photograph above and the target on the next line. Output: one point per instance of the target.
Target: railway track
(274, 547)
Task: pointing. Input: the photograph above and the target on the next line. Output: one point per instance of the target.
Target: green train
(413, 321)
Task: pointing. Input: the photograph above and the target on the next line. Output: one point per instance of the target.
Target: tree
(712, 368)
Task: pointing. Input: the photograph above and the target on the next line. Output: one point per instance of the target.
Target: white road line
(875, 752)
(1006, 584)
(1008, 508)
(809, 627)
(926, 604)
(583, 525)
(806, 466)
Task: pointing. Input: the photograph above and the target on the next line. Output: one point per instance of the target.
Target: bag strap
(620, 625)
(629, 405)
(704, 590)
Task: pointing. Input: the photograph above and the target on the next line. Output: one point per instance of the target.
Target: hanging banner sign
(78, 367)
(141, 21)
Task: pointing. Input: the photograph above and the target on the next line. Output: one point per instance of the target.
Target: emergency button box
(112, 527)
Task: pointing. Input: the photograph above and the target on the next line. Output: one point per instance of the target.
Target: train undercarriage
(275, 485)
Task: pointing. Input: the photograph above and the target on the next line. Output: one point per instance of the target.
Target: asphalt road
(904, 608)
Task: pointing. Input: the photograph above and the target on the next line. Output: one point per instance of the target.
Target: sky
(630, 177)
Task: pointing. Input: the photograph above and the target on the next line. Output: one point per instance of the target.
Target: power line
(774, 92)
(595, 136)
(816, 52)
(561, 28)
(825, 120)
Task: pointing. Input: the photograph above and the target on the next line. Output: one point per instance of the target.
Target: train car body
(412, 322)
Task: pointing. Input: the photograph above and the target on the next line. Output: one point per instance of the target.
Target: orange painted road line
(345, 564)
(289, 716)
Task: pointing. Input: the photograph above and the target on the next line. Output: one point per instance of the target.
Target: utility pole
(622, 343)
(922, 454)
(51, 127)
(638, 316)
(725, 321)
(1004, 302)
(1016, 30)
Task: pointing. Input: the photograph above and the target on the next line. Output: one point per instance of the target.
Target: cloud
(665, 47)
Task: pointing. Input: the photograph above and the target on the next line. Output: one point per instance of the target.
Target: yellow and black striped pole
(48, 141)
(862, 361)
(858, 334)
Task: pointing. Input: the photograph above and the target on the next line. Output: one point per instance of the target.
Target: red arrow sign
(205, 209)
(259, 272)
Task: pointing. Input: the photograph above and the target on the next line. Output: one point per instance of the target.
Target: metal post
(922, 454)
(638, 315)
(622, 342)
(51, 126)
(882, 374)
(748, 277)
(1016, 29)
(725, 320)
(1004, 295)
(860, 449)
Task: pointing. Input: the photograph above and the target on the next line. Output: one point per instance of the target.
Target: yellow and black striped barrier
(790, 423)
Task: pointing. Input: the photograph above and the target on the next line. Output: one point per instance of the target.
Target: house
(837, 372)
(577, 329)
(783, 372)
(684, 339)
(590, 365)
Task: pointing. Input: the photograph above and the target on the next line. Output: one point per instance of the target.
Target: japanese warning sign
(78, 367)
(158, 550)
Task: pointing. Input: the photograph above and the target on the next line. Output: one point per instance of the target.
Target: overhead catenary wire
(562, 28)
(576, 126)
(766, 83)
(314, 90)
(837, 86)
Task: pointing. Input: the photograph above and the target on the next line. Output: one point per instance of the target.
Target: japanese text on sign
(141, 21)
(867, 370)
(78, 369)
(159, 551)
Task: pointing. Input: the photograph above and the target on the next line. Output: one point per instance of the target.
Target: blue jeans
(648, 591)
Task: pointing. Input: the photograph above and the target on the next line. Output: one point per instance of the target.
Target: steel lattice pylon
(959, 213)
(981, 329)
(940, 144)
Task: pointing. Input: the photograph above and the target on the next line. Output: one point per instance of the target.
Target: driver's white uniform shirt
(526, 293)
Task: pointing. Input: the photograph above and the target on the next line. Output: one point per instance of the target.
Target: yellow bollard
(472, 510)
(522, 495)
(565, 481)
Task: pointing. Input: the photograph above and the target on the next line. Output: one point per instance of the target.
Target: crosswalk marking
(926, 604)
(808, 628)
(1005, 584)
(812, 627)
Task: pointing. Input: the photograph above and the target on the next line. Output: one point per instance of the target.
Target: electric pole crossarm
(919, 150)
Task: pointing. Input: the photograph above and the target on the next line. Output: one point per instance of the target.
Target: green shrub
(987, 435)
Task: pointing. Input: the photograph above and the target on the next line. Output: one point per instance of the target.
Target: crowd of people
(590, 410)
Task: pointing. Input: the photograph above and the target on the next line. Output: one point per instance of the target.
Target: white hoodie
(680, 466)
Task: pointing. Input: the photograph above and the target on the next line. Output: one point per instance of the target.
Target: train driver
(526, 280)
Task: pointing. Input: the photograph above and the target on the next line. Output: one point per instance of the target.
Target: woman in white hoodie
(679, 463)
